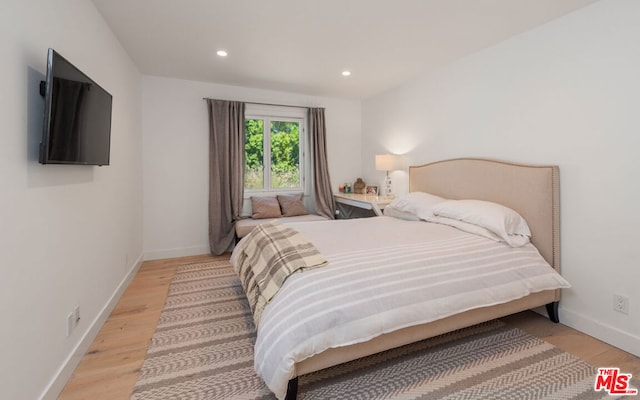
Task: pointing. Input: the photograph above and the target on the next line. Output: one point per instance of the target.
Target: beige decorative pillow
(291, 205)
(265, 207)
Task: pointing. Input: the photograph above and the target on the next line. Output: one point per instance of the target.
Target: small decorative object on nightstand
(359, 186)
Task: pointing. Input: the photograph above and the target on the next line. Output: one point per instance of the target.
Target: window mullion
(267, 153)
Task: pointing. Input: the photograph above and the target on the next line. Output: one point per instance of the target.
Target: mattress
(385, 274)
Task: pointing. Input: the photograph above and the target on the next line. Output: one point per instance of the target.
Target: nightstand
(360, 202)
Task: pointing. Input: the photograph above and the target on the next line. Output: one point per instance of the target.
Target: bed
(530, 190)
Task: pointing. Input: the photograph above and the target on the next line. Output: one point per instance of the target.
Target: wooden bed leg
(552, 310)
(292, 389)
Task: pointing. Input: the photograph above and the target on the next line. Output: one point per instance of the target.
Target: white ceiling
(304, 45)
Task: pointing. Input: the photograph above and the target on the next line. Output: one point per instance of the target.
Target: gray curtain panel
(226, 171)
(325, 204)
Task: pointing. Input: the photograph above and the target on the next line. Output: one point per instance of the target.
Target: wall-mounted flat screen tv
(77, 116)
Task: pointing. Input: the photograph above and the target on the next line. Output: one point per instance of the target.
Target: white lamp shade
(388, 162)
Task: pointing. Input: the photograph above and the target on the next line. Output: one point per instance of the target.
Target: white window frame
(268, 113)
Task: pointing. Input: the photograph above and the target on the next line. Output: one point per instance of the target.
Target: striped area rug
(203, 349)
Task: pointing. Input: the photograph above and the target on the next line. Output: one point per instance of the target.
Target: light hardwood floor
(110, 368)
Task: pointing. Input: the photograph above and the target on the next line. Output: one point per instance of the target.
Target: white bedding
(385, 274)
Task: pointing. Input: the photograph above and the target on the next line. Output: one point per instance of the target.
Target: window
(274, 155)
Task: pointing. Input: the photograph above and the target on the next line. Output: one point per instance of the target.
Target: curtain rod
(266, 104)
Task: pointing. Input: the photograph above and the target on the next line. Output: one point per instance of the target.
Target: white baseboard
(55, 387)
(179, 252)
(608, 334)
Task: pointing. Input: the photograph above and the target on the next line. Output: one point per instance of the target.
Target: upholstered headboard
(531, 190)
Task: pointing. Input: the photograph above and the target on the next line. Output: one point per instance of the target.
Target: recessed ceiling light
(346, 73)
(221, 53)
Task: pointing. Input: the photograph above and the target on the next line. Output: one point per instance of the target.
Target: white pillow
(501, 220)
(419, 204)
(395, 213)
(514, 240)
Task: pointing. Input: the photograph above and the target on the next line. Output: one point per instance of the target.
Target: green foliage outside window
(253, 154)
(285, 154)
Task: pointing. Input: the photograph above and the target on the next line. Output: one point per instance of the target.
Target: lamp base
(387, 186)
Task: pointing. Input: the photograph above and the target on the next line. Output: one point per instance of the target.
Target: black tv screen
(77, 116)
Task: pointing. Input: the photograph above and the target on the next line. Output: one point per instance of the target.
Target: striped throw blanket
(273, 252)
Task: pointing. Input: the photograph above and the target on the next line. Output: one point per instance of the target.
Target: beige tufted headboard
(531, 190)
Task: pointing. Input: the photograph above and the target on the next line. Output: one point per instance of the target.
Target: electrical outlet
(621, 304)
(70, 323)
(76, 316)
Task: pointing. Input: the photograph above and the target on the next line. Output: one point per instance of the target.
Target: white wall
(69, 235)
(566, 93)
(176, 150)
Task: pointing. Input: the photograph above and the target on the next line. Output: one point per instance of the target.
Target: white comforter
(385, 274)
